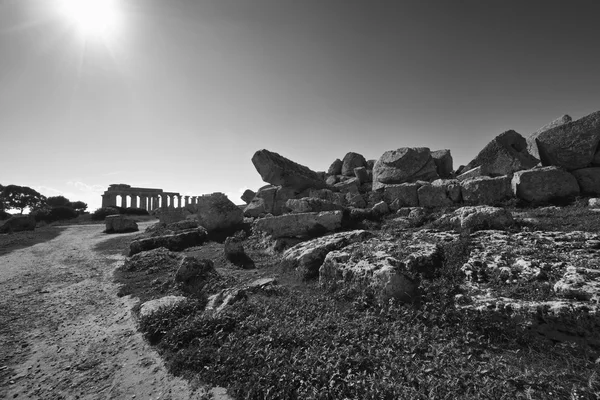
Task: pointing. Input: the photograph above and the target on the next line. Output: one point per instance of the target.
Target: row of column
(148, 202)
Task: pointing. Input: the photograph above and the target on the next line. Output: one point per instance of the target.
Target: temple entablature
(123, 195)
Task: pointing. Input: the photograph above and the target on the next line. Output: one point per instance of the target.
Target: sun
(92, 17)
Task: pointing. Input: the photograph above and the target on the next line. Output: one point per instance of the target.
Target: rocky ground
(64, 332)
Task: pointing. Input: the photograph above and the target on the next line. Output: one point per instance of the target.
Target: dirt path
(64, 334)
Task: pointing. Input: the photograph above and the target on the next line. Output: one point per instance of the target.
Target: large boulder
(486, 190)
(572, 145)
(482, 217)
(439, 193)
(18, 223)
(531, 142)
(175, 242)
(544, 184)
(311, 204)
(352, 160)
(166, 302)
(247, 196)
(407, 164)
(119, 224)
(216, 212)
(443, 162)
(280, 171)
(405, 194)
(505, 154)
(336, 167)
(307, 257)
(300, 225)
(192, 269)
(588, 180)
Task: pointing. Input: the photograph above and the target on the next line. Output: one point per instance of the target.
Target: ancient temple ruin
(148, 199)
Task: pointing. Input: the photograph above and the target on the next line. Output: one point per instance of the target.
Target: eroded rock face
(336, 167)
(311, 204)
(572, 145)
(531, 140)
(215, 212)
(119, 224)
(405, 194)
(157, 259)
(443, 162)
(280, 171)
(588, 180)
(195, 270)
(247, 196)
(300, 225)
(482, 217)
(485, 190)
(504, 155)
(175, 242)
(407, 164)
(18, 223)
(352, 160)
(544, 184)
(440, 193)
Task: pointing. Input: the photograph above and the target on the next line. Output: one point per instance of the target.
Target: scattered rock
(159, 259)
(531, 140)
(406, 194)
(119, 224)
(150, 307)
(407, 164)
(380, 209)
(183, 225)
(234, 252)
(352, 160)
(438, 193)
(544, 184)
(216, 212)
(594, 202)
(443, 163)
(280, 171)
(362, 175)
(311, 204)
(579, 284)
(472, 173)
(247, 196)
(351, 185)
(336, 167)
(194, 270)
(485, 190)
(482, 217)
(175, 242)
(300, 225)
(588, 180)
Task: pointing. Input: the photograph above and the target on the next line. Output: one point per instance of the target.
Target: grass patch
(19, 240)
(571, 218)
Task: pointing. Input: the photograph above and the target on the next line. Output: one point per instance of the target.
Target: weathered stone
(158, 259)
(278, 170)
(194, 269)
(362, 175)
(336, 167)
(225, 298)
(443, 162)
(311, 204)
(308, 257)
(247, 196)
(531, 140)
(166, 302)
(572, 145)
(348, 186)
(504, 155)
(482, 217)
(579, 284)
(380, 209)
(435, 194)
(370, 164)
(234, 252)
(405, 193)
(352, 160)
(120, 224)
(544, 184)
(373, 198)
(594, 202)
(407, 164)
(300, 225)
(168, 216)
(176, 242)
(588, 180)
(472, 173)
(215, 212)
(331, 180)
(183, 225)
(355, 200)
(485, 190)
(256, 208)
(596, 160)
(18, 223)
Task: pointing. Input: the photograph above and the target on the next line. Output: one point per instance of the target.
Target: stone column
(143, 200)
(123, 200)
(187, 201)
(134, 200)
(105, 200)
(163, 204)
(179, 200)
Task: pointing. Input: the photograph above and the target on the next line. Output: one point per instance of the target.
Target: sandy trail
(64, 334)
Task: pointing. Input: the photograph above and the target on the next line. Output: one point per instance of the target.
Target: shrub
(4, 215)
(54, 214)
(103, 212)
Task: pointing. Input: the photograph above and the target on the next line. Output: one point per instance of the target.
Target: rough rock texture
(155, 259)
(165, 302)
(596, 160)
(440, 193)
(544, 184)
(482, 217)
(176, 242)
(169, 216)
(331, 180)
(443, 162)
(531, 142)
(580, 284)
(472, 173)
(352, 160)
(572, 145)
(505, 154)
(405, 194)
(336, 167)
(588, 180)
(407, 164)
(362, 175)
(351, 185)
(311, 204)
(234, 252)
(227, 297)
(485, 190)
(18, 223)
(307, 257)
(195, 270)
(380, 209)
(594, 202)
(119, 224)
(280, 171)
(215, 212)
(300, 225)
(247, 196)
(183, 225)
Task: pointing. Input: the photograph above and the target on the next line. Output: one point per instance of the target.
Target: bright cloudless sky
(183, 93)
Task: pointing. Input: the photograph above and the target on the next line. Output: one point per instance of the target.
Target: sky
(179, 94)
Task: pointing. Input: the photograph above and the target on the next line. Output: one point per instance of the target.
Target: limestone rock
(472, 173)
(336, 167)
(443, 162)
(215, 212)
(255, 208)
(370, 164)
(348, 186)
(278, 170)
(544, 184)
(331, 180)
(311, 204)
(406, 194)
(485, 190)
(588, 180)
(352, 160)
(195, 269)
(300, 225)
(362, 175)
(234, 252)
(482, 217)
(308, 257)
(596, 160)
(407, 164)
(151, 306)
(440, 193)
(504, 155)
(159, 259)
(594, 202)
(18, 223)
(572, 145)
(355, 200)
(120, 224)
(247, 196)
(531, 140)
(184, 225)
(579, 284)
(380, 208)
(175, 242)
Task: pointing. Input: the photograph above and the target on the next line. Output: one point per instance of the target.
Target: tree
(21, 197)
(79, 206)
(58, 201)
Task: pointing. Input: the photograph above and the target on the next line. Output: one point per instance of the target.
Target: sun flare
(92, 17)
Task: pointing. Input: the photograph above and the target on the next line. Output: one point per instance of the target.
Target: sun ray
(98, 18)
